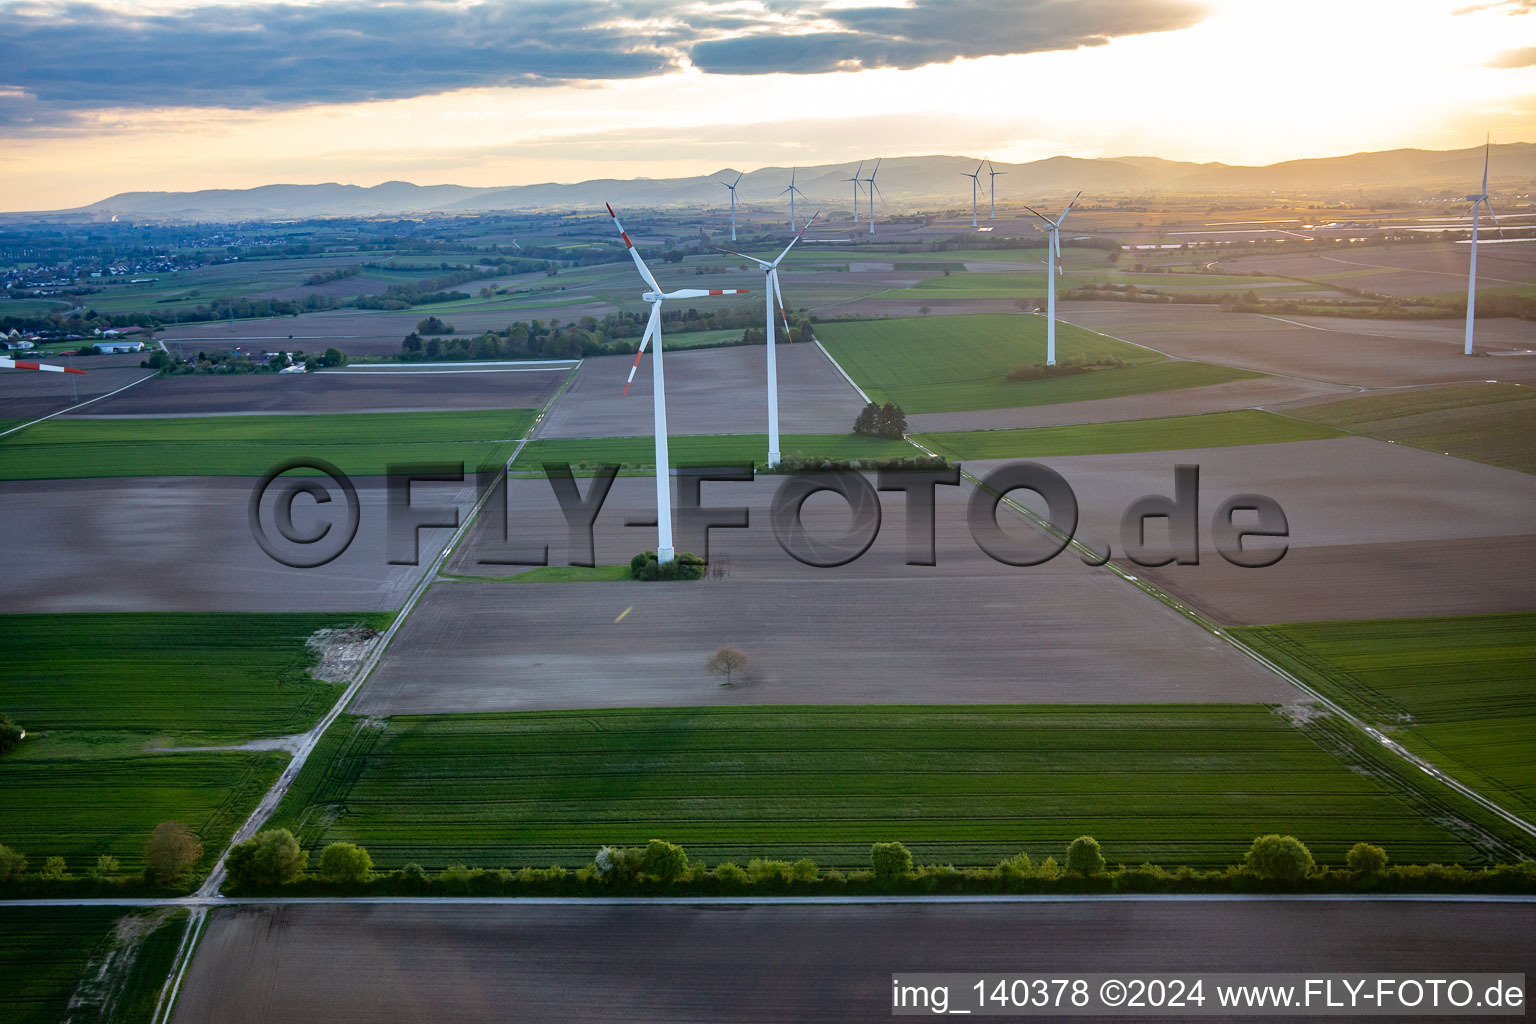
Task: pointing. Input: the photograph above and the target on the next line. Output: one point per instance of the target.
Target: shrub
(1365, 859)
(684, 566)
(1017, 866)
(1049, 870)
(1084, 856)
(804, 870)
(664, 860)
(54, 869)
(13, 864)
(731, 874)
(106, 866)
(10, 735)
(271, 857)
(345, 862)
(1279, 858)
(171, 851)
(773, 872)
(890, 860)
(412, 877)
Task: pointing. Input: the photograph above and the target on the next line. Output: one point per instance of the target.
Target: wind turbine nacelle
(1473, 199)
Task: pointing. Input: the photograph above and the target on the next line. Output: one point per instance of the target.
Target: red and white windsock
(655, 296)
(22, 364)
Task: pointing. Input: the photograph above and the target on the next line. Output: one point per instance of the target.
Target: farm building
(105, 347)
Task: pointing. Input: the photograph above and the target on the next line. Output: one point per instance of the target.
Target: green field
(1174, 784)
(705, 450)
(167, 677)
(1212, 430)
(1456, 690)
(361, 444)
(553, 574)
(1491, 423)
(77, 804)
(960, 363)
(45, 951)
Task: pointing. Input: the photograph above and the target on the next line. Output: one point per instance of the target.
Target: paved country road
(354, 962)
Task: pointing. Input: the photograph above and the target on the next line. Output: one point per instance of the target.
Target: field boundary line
(202, 904)
(77, 405)
(839, 368)
(1198, 618)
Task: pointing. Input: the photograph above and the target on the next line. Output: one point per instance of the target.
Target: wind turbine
(772, 289)
(1052, 256)
(791, 190)
(1481, 199)
(975, 177)
(856, 179)
(655, 296)
(22, 364)
(874, 190)
(992, 182)
(732, 186)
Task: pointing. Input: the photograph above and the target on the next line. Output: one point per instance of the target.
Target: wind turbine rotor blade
(645, 271)
(733, 252)
(23, 364)
(1496, 225)
(792, 241)
(645, 338)
(738, 179)
(1068, 209)
(778, 293)
(1487, 144)
(1044, 219)
(699, 293)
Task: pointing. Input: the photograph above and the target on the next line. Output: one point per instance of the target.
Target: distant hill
(901, 180)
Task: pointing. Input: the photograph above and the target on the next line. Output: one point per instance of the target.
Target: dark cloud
(936, 31)
(80, 56)
(60, 59)
(1521, 58)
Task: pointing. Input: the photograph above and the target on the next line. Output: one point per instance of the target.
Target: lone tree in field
(726, 661)
(171, 851)
(1279, 858)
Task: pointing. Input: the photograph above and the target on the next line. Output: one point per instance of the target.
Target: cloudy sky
(106, 96)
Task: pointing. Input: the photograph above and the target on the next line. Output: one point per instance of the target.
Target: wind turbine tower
(1479, 200)
(1053, 262)
(655, 296)
(873, 190)
(792, 190)
(771, 287)
(992, 183)
(732, 186)
(856, 179)
(975, 177)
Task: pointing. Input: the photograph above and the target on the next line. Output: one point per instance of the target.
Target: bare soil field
(359, 332)
(185, 544)
(875, 631)
(1367, 353)
(383, 964)
(712, 391)
(877, 305)
(28, 394)
(1376, 530)
(1402, 270)
(333, 391)
(1252, 393)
